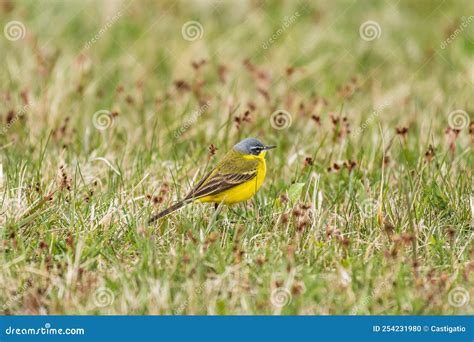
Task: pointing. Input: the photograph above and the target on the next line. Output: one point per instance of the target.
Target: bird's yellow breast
(244, 191)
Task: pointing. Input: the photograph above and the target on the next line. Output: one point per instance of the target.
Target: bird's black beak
(269, 147)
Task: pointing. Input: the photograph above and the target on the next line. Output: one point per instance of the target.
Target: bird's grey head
(252, 146)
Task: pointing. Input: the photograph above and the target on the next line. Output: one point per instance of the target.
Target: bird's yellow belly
(239, 193)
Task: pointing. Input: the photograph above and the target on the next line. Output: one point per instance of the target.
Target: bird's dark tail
(168, 211)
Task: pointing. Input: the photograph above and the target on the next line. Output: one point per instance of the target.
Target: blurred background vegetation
(110, 110)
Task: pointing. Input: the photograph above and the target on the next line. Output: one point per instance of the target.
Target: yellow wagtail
(236, 178)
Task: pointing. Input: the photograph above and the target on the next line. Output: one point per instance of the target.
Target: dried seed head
(316, 119)
(345, 242)
(260, 260)
(402, 131)
(212, 150)
(190, 236)
(222, 71)
(182, 86)
(297, 212)
(251, 106)
(10, 116)
(407, 238)
(70, 241)
(430, 153)
(284, 198)
(297, 289)
(334, 118)
(290, 250)
(388, 227)
(305, 206)
(212, 237)
(302, 224)
(164, 188)
(350, 164)
(451, 233)
(249, 66)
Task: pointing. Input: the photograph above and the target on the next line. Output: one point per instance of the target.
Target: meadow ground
(111, 110)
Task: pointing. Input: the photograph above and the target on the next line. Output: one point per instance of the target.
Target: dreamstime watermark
(374, 115)
(465, 23)
(197, 291)
(103, 297)
(192, 30)
(369, 207)
(471, 204)
(280, 119)
(17, 117)
(103, 30)
(458, 119)
(102, 119)
(287, 22)
(12, 206)
(369, 298)
(194, 117)
(280, 297)
(458, 297)
(46, 330)
(14, 30)
(370, 30)
(19, 294)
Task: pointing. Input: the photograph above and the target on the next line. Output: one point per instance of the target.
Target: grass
(367, 207)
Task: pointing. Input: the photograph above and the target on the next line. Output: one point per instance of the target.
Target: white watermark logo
(14, 30)
(458, 119)
(280, 297)
(458, 297)
(102, 119)
(103, 297)
(280, 119)
(370, 30)
(192, 30)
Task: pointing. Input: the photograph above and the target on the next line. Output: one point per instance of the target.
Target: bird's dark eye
(256, 150)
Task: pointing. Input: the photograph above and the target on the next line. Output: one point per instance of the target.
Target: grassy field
(111, 110)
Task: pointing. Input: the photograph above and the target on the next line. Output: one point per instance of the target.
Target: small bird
(236, 178)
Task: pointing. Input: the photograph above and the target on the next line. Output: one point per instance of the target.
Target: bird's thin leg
(217, 210)
(246, 210)
(234, 213)
(214, 218)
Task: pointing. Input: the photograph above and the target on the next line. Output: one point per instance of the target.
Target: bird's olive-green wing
(233, 170)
